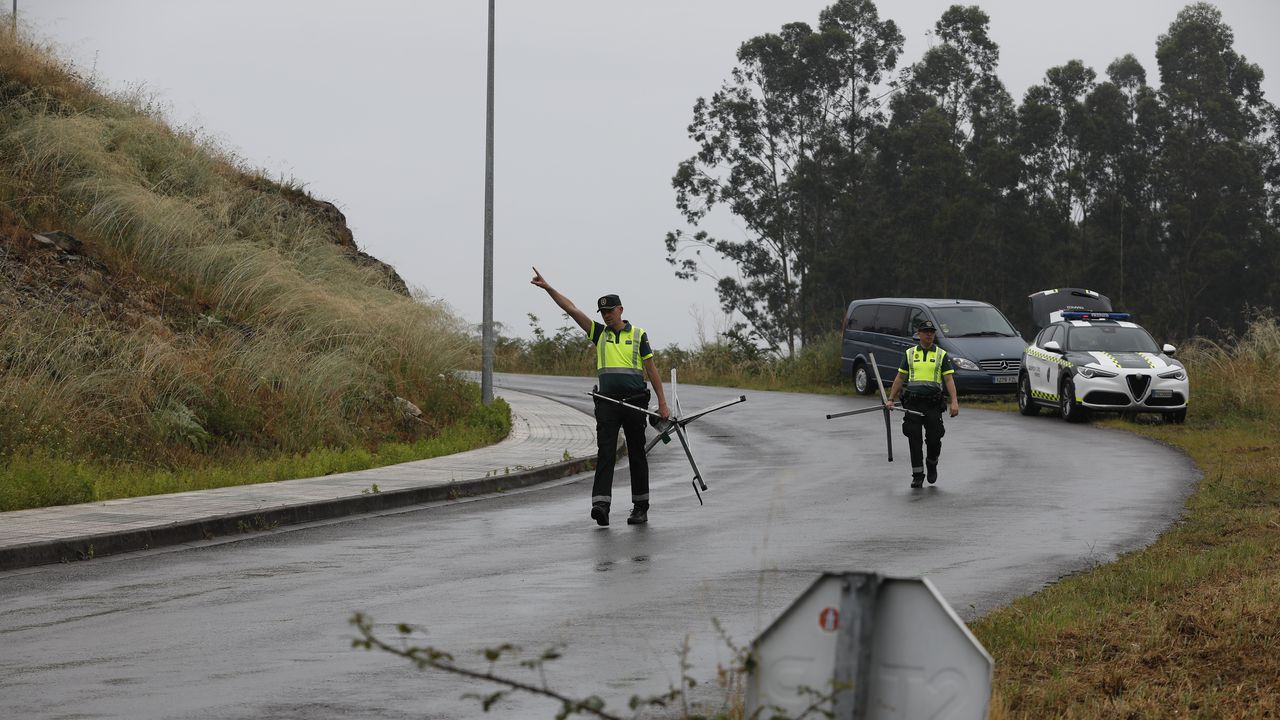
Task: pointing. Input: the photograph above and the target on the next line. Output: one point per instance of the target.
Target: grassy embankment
(212, 330)
(1187, 627)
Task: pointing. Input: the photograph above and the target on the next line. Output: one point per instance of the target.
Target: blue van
(984, 346)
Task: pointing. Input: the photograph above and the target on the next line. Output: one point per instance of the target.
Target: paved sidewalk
(548, 440)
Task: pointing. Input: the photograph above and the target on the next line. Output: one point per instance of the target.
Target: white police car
(1087, 360)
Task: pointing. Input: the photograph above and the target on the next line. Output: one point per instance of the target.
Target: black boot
(917, 480)
(639, 514)
(932, 469)
(600, 513)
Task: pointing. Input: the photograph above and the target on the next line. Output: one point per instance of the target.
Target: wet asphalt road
(258, 628)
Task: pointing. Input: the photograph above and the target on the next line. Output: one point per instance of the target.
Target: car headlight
(1177, 373)
(1088, 371)
(964, 364)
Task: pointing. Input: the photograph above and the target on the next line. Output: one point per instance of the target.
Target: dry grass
(281, 342)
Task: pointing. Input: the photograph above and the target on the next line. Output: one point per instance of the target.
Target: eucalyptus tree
(1052, 121)
(771, 142)
(949, 161)
(1119, 138)
(1211, 172)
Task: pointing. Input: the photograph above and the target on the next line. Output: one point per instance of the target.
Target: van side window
(862, 318)
(891, 319)
(917, 316)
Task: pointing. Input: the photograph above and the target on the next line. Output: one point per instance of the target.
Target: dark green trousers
(923, 433)
(610, 418)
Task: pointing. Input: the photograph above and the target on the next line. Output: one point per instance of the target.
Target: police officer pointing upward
(624, 358)
(925, 369)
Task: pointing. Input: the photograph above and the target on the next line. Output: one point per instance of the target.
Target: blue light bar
(1076, 315)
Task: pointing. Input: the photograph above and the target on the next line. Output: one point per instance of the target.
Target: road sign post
(869, 647)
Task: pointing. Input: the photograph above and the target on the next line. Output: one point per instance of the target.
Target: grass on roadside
(568, 352)
(37, 479)
(1188, 626)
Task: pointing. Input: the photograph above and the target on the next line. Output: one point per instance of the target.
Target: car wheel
(862, 379)
(1176, 417)
(1070, 409)
(1026, 404)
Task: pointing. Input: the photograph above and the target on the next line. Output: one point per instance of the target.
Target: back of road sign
(922, 661)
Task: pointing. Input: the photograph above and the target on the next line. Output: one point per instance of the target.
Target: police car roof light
(1076, 315)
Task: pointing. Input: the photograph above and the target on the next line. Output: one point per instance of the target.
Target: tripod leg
(888, 433)
(697, 476)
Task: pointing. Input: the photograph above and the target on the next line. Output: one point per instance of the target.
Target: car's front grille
(1138, 385)
(1105, 397)
(1002, 366)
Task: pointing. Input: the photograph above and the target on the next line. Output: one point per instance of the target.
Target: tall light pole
(486, 370)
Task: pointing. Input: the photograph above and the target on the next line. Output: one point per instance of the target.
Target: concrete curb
(87, 547)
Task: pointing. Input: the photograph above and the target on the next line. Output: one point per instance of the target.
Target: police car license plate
(1162, 393)
(1004, 379)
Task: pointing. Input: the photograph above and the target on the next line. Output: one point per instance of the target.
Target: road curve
(258, 628)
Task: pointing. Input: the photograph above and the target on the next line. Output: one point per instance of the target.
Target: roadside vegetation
(182, 321)
(1185, 627)
(197, 324)
(724, 361)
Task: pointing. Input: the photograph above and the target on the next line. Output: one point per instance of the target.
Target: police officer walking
(925, 369)
(624, 358)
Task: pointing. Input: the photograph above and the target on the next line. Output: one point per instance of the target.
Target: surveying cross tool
(884, 399)
(677, 423)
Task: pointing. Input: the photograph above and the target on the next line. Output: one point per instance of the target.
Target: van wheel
(1070, 409)
(1026, 404)
(862, 380)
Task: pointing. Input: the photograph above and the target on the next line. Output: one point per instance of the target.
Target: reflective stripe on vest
(617, 357)
(924, 369)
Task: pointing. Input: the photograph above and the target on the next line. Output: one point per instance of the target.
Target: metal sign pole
(852, 676)
(486, 331)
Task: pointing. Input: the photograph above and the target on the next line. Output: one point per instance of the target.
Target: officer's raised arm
(572, 310)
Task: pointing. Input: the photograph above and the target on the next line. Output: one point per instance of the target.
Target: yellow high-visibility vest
(924, 370)
(619, 353)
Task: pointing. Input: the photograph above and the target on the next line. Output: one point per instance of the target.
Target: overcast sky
(379, 107)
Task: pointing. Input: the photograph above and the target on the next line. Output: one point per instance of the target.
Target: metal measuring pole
(884, 400)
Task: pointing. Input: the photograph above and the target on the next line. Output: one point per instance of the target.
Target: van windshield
(973, 321)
